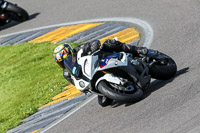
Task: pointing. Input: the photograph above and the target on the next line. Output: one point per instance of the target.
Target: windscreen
(70, 62)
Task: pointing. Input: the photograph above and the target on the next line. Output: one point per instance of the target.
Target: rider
(110, 45)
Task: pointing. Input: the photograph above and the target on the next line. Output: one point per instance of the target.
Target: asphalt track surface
(169, 106)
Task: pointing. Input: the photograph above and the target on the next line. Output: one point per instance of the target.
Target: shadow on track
(13, 23)
(154, 86)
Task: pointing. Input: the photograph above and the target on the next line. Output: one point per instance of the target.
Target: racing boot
(111, 45)
(134, 50)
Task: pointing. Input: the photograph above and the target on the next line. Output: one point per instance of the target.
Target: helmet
(61, 53)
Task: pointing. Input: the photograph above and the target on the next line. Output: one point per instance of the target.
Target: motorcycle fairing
(105, 61)
(113, 61)
(81, 84)
(110, 78)
(89, 67)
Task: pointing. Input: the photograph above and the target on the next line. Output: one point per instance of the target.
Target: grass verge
(29, 79)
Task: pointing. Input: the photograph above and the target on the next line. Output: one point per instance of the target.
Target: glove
(142, 50)
(95, 45)
(111, 41)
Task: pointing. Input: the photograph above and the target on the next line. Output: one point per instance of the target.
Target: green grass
(29, 78)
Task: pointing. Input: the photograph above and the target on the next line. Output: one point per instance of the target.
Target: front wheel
(111, 91)
(163, 71)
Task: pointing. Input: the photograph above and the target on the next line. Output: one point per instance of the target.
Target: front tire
(110, 92)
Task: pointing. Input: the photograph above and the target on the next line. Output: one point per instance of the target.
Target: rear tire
(163, 72)
(111, 93)
(17, 13)
(104, 101)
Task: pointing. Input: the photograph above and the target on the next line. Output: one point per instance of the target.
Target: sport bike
(118, 76)
(9, 11)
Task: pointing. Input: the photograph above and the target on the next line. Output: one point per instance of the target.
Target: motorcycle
(9, 11)
(118, 76)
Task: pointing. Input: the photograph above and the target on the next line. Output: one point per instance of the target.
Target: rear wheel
(163, 71)
(104, 101)
(113, 92)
